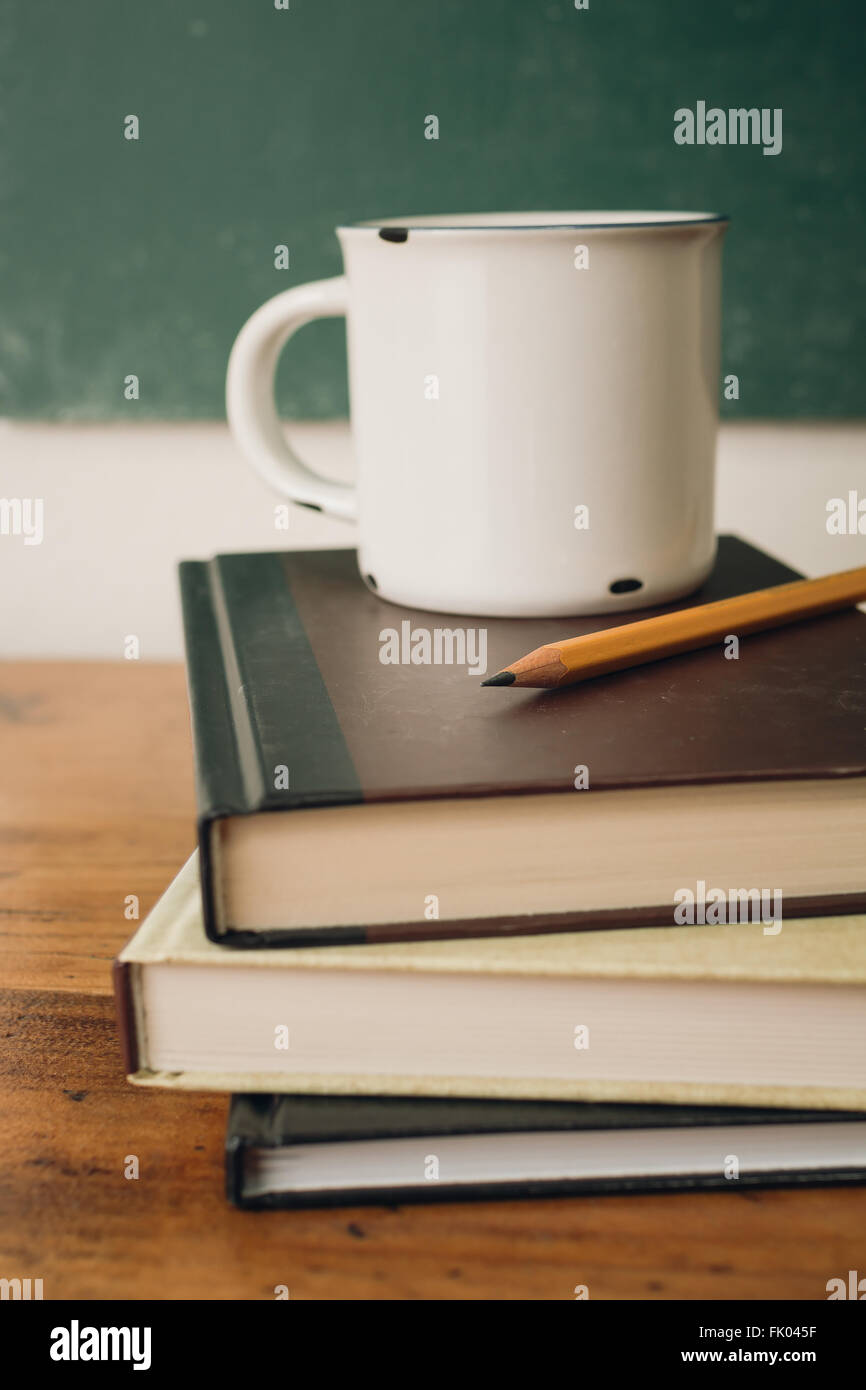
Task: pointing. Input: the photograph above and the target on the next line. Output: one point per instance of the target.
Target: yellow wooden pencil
(631, 644)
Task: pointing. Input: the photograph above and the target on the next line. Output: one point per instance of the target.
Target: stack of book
(439, 941)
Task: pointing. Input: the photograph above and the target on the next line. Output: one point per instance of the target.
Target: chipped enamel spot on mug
(393, 234)
(625, 586)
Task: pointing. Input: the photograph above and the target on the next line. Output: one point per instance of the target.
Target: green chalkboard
(262, 126)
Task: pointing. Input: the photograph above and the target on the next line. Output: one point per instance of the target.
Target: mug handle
(252, 413)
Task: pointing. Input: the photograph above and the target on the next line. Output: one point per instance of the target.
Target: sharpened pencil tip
(501, 678)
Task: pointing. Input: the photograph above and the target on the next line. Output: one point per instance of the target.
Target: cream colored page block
(518, 856)
(821, 950)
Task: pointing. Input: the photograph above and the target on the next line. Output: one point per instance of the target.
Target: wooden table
(96, 803)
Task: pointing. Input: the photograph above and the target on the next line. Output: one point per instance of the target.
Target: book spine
(234, 1169)
(121, 974)
(259, 708)
(219, 780)
(218, 776)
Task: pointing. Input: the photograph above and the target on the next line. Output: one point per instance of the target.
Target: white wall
(122, 504)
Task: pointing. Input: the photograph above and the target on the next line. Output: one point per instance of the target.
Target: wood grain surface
(96, 803)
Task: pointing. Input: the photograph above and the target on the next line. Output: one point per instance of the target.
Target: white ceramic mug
(534, 407)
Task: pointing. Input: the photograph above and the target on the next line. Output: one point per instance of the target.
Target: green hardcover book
(356, 784)
(305, 1151)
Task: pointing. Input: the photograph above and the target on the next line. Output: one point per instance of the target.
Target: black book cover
(281, 1121)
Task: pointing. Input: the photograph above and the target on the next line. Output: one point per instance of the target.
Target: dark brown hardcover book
(356, 783)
